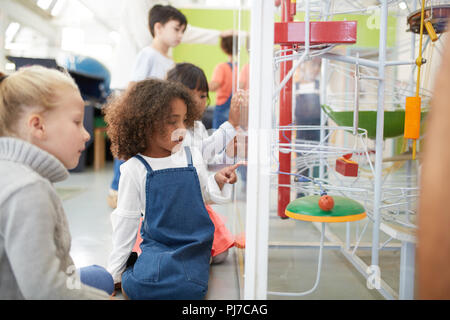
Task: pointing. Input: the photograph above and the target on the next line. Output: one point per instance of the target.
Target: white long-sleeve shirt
(212, 146)
(131, 201)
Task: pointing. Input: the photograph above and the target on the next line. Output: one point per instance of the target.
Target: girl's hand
(117, 286)
(238, 146)
(227, 175)
(238, 102)
(231, 149)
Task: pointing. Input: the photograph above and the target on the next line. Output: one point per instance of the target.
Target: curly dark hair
(140, 111)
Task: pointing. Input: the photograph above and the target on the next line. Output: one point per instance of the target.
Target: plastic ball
(326, 203)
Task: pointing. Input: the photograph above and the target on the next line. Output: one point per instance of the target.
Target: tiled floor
(291, 267)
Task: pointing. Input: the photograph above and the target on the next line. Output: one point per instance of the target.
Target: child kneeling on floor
(221, 140)
(41, 136)
(169, 184)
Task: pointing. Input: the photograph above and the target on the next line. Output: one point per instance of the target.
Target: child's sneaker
(112, 198)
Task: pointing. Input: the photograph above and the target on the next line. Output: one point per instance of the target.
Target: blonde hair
(29, 87)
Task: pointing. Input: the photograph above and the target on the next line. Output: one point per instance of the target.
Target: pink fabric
(223, 239)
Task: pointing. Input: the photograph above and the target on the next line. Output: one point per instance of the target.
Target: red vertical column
(287, 12)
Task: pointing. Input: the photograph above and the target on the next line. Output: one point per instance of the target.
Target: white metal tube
(356, 98)
(238, 67)
(323, 100)
(399, 63)
(307, 27)
(323, 95)
(407, 258)
(233, 56)
(348, 59)
(319, 268)
(288, 76)
(411, 88)
(379, 135)
(347, 235)
(260, 123)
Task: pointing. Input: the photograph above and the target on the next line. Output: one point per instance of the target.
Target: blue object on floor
(97, 277)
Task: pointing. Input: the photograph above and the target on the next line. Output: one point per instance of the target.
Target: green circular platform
(394, 121)
(307, 209)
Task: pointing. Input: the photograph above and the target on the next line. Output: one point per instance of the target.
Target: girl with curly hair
(169, 185)
(214, 147)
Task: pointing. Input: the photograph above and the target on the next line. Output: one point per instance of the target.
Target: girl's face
(170, 141)
(63, 133)
(200, 99)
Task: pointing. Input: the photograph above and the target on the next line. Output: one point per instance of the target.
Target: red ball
(326, 203)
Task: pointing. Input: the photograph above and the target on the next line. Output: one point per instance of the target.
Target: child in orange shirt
(222, 83)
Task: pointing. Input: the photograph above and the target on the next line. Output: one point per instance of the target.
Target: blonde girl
(41, 137)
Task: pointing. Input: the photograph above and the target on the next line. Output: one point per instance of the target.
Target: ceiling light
(11, 31)
(57, 8)
(44, 4)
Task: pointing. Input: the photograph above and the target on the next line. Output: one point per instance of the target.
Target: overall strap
(232, 65)
(188, 156)
(145, 163)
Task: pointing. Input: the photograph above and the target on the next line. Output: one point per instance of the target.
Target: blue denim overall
(177, 238)
(222, 111)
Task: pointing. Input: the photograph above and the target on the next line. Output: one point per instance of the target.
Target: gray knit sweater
(34, 233)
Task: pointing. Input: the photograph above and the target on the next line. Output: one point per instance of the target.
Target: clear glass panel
(314, 148)
(242, 49)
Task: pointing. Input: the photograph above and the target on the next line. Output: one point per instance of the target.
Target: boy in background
(134, 36)
(167, 25)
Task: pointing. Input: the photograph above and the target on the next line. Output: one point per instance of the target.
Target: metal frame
(258, 195)
(259, 128)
